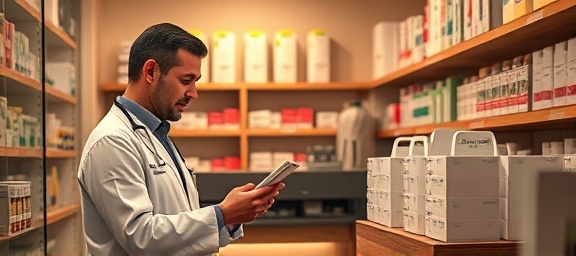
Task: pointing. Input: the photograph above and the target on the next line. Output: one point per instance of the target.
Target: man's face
(174, 90)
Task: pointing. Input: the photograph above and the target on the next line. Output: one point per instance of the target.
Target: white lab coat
(130, 208)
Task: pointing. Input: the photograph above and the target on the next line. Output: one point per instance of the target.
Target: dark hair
(161, 42)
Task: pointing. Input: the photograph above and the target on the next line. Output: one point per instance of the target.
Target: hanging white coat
(355, 137)
(132, 205)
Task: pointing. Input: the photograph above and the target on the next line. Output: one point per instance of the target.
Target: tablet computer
(281, 172)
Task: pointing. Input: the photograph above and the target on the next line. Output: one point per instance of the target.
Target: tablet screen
(281, 172)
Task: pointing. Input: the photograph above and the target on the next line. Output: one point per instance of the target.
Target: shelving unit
(62, 213)
(34, 163)
(51, 217)
(243, 91)
(64, 220)
(24, 163)
(553, 118)
(543, 27)
(551, 24)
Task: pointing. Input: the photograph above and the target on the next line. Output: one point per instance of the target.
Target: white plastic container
(255, 57)
(285, 58)
(223, 57)
(318, 57)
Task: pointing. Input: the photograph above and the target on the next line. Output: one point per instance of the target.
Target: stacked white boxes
(543, 78)
(462, 190)
(385, 48)
(414, 210)
(318, 61)
(285, 58)
(384, 195)
(223, 57)
(415, 185)
(560, 75)
(571, 72)
(123, 56)
(570, 155)
(255, 57)
(517, 174)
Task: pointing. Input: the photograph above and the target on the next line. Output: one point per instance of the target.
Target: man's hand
(243, 204)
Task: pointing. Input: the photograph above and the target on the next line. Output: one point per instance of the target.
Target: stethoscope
(159, 161)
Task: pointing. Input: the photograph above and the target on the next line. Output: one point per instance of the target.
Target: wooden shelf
(56, 37)
(529, 120)
(59, 95)
(251, 132)
(20, 78)
(290, 132)
(217, 87)
(376, 239)
(21, 10)
(115, 87)
(21, 152)
(112, 87)
(182, 133)
(56, 215)
(59, 153)
(541, 28)
(36, 224)
(335, 86)
(52, 216)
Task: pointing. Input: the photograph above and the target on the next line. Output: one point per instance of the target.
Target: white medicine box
(318, 57)
(285, 57)
(571, 72)
(223, 57)
(560, 75)
(385, 48)
(471, 170)
(457, 230)
(255, 57)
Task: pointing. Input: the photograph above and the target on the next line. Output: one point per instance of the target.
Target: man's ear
(148, 70)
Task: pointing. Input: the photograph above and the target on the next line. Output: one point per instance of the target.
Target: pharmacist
(138, 197)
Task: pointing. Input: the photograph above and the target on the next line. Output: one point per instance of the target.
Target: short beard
(160, 97)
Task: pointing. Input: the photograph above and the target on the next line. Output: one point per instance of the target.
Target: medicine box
(255, 57)
(223, 57)
(318, 56)
(285, 57)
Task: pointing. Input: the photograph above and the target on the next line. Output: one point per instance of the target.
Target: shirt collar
(147, 118)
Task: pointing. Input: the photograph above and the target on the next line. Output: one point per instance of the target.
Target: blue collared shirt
(160, 129)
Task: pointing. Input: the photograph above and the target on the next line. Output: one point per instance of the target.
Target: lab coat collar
(145, 116)
(163, 153)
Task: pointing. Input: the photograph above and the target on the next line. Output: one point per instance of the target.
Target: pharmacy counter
(315, 214)
(375, 239)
